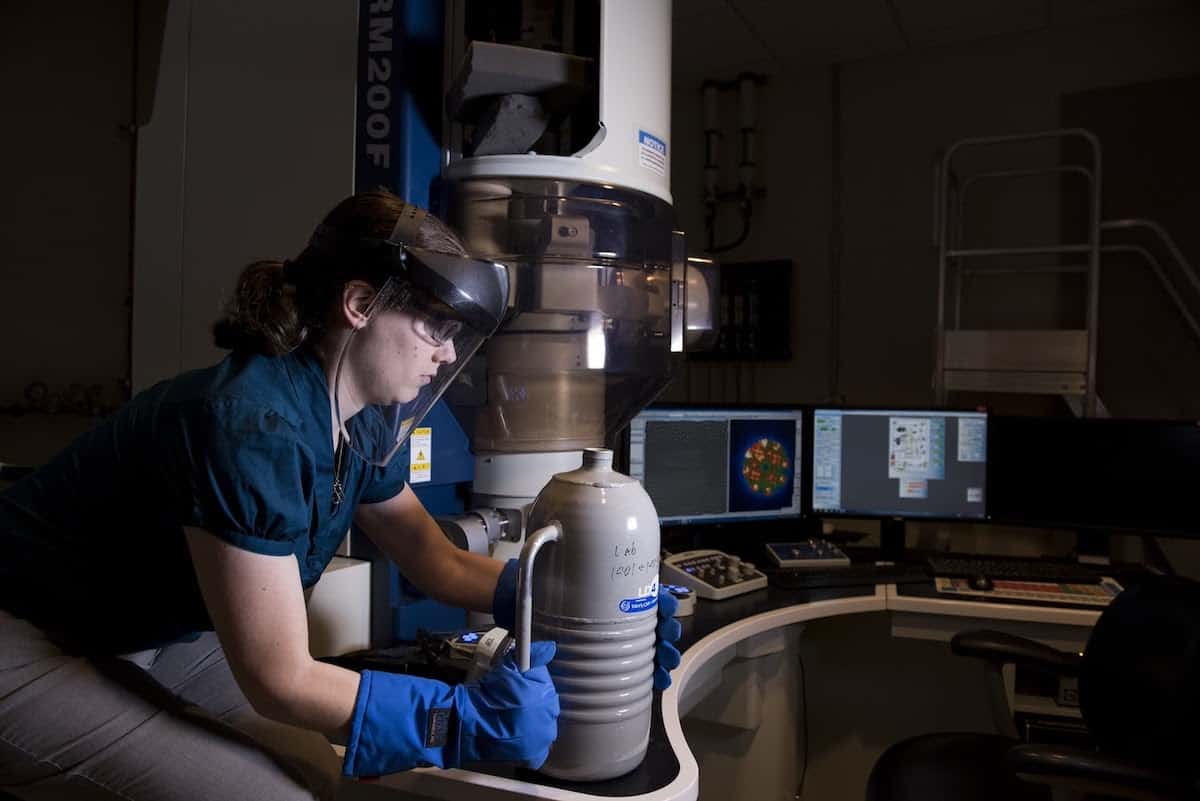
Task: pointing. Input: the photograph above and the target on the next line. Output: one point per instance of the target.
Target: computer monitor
(719, 464)
(1099, 475)
(900, 463)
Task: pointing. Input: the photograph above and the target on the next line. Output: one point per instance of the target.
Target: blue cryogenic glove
(402, 722)
(504, 599)
(666, 655)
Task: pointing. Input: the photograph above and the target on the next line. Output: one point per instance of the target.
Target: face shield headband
(421, 327)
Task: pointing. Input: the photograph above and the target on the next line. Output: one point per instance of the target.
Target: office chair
(1139, 695)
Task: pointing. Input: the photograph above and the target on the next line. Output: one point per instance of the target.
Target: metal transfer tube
(551, 532)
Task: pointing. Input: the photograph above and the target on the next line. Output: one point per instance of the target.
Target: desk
(923, 613)
(710, 639)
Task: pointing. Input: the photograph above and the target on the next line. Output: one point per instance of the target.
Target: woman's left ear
(356, 300)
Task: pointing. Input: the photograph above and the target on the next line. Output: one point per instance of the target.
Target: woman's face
(396, 357)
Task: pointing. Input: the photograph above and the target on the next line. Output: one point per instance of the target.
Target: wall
(896, 112)
(792, 221)
(923, 101)
(874, 345)
(877, 338)
(1149, 355)
(66, 157)
(251, 142)
(926, 100)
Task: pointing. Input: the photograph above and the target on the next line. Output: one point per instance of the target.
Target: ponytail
(262, 316)
(277, 306)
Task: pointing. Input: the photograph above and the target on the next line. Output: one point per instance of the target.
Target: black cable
(891, 4)
(710, 225)
(804, 729)
(715, 249)
(835, 230)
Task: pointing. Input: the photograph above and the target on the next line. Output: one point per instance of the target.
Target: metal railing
(949, 214)
(1159, 236)
(950, 197)
(1156, 266)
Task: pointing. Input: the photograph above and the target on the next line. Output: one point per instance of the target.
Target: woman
(211, 501)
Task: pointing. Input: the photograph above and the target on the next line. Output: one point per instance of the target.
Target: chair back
(1139, 684)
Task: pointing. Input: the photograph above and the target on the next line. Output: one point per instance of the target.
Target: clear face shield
(421, 329)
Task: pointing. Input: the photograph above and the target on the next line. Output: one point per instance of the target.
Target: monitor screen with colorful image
(717, 464)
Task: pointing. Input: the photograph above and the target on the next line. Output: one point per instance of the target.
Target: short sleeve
(244, 474)
(385, 483)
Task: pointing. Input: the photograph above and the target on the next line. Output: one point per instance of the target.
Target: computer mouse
(981, 583)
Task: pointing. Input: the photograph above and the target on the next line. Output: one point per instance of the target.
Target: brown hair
(277, 306)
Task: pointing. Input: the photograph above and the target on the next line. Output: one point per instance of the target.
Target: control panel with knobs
(712, 574)
(812, 553)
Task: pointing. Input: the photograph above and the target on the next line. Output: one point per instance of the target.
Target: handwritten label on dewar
(625, 551)
(630, 569)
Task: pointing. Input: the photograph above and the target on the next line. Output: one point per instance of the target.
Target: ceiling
(719, 38)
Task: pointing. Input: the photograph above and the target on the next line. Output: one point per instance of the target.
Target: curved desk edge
(686, 786)
(464, 785)
(932, 618)
(993, 610)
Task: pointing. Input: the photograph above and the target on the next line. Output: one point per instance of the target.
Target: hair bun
(262, 316)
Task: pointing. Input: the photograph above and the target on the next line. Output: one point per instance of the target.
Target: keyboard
(1013, 569)
(852, 575)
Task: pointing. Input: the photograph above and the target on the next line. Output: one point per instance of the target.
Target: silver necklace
(339, 457)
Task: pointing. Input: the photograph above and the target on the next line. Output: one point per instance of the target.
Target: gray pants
(161, 725)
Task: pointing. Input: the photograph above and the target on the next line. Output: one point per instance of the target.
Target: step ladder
(1040, 362)
(1057, 362)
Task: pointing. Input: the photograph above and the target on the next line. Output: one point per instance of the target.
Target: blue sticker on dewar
(631, 605)
(649, 140)
(652, 152)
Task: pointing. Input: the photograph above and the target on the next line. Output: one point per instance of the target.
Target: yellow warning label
(420, 467)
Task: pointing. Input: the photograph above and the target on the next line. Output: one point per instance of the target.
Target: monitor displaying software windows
(899, 463)
(714, 464)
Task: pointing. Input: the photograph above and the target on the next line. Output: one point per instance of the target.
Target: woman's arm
(257, 607)
(412, 539)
